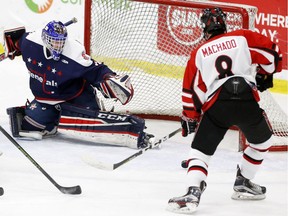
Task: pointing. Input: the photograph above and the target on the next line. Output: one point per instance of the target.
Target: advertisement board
(272, 21)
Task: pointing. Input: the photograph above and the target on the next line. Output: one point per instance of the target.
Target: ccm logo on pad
(112, 117)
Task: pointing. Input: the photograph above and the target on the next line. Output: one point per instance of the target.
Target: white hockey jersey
(221, 58)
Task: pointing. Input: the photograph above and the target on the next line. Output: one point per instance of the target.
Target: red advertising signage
(272, 21)
(178, 29)
(181, 30)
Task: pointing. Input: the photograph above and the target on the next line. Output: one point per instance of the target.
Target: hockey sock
(253, 157)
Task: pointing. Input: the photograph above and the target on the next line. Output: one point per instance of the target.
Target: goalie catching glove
(118, 86)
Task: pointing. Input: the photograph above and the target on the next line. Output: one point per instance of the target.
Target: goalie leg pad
(102, 127)
(16, 115)
(33, 121)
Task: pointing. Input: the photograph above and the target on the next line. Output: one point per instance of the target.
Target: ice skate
(244, 189)
(188, 203)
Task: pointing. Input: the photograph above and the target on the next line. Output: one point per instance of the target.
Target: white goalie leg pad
(126, 140)
(101, 127)
(16, 116)
(38, 135)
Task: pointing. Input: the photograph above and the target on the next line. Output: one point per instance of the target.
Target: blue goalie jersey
(53, 81)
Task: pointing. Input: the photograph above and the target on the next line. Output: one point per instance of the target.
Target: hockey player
(219, 91)
(63, 79)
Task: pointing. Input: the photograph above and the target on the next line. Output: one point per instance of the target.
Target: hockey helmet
(213, 20)
(54, 35)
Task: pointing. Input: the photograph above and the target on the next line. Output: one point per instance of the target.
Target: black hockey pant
(245, 114)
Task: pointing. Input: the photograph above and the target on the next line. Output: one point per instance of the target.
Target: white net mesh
(152, 41)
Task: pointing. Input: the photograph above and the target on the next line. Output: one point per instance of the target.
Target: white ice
(142, 187)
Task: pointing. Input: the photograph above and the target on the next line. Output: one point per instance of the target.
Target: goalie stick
(106, 166)
(73, 20)
(3, 56)
(66, 190)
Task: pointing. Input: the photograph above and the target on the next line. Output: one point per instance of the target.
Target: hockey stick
(105, 166)
(65, 190)
(73, 20)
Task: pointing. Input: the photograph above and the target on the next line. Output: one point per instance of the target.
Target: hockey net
(152, 40)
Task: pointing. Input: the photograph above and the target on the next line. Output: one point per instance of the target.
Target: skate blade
(188, 209)
(247, 196)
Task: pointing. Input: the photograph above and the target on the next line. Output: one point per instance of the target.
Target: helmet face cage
(213, 20)
(54, 36)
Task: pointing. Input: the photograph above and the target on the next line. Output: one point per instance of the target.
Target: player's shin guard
(197, 167)
(103, 127)
(253, 157)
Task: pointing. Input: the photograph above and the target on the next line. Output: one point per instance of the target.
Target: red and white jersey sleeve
(219, 59)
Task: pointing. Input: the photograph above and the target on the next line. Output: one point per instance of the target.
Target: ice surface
(142, 187)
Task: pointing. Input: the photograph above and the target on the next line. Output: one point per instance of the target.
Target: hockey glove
(264, 81)
(188, 125)
(12, 37)
(119, 87)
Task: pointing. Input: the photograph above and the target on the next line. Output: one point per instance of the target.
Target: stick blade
(97, 164)
(71, 190)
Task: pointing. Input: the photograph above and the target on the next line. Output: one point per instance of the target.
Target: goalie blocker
(11, 38)
(90, 125)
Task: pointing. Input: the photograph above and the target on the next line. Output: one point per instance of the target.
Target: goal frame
(247, 23)
(181, 3)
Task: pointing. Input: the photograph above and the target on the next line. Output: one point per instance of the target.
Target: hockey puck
(1, 191)
(184, 164)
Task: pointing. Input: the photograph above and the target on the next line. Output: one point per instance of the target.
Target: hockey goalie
(63, 80)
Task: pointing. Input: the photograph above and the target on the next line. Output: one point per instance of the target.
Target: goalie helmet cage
(151, 40)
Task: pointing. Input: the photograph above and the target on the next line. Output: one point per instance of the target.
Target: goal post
(151, 40)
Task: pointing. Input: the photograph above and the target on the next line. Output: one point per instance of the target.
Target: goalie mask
(213, 22)
(54, 36)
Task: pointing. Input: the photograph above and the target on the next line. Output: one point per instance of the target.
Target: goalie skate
(188, 203)
(38, 135)
(244, 189)
(146, 140)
